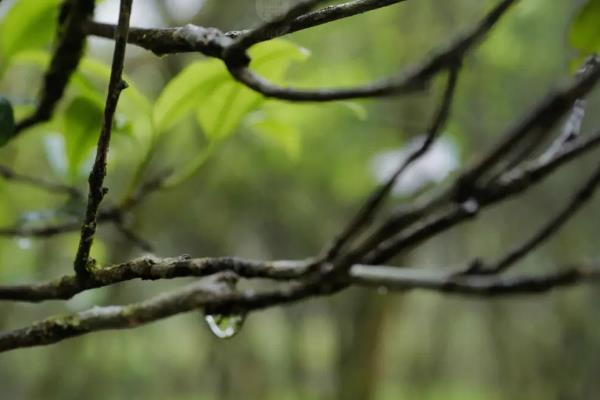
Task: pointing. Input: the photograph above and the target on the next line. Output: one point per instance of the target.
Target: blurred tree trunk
(361, 328)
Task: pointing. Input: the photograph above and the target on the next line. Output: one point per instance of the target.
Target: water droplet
(225, 326)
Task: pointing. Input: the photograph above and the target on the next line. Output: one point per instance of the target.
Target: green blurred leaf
(199, 82)
(182, 93)
(28, 24)
(272, 59)
(359, 111)
(221, 113)
(134, 107)
(280, 133)
(585, 30)
(7, 121)
(82, 121)
(222, 110)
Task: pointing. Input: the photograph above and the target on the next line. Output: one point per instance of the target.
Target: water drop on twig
(225, 326)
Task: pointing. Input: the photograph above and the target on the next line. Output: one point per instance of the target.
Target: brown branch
(581, 198)
(58, 328)
(152, 268)
(367, 212)
(96, 179)
(510, 184)
(163, 41)
(113, 214)
(213, 43)
(541, 119)
(66, 57)
(414, 79)
(217, 296)
(40, 183)
(42, 231)
(403, 279)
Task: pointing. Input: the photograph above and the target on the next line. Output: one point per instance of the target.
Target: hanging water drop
(225, 326)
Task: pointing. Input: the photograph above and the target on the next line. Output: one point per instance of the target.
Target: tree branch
(541, 120)
(510, 184)
(213, 43)
(152, 268)
(66, 57)
(96, 179)
(163, 41)
(367, 212)
(217, 296)
(581, 197)
(40, 183)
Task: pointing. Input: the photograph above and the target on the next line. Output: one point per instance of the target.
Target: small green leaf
(221, 111)
(585, 30)
(279, 133)
(7, 121)
(82, 121)
(90, 81)
(220, 101)
(205, 82)
(225, 108)
(181, 95)
(272, 59)
(28, 24)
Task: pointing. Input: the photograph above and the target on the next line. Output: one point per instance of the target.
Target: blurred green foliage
(269, 179)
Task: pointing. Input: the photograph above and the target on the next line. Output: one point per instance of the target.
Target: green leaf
(135, 107)
(199, 83)
(272, 59)
(359, 110)
(28, 24)
(585, 30)
(180, 96)
(222, 110)
(279, 133)
(7, 121)
(82, 121)
(220, 101)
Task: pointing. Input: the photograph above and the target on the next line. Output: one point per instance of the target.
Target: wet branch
(216, 296)
(152, 268)
(347, 261)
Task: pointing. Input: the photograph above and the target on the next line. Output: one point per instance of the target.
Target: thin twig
(367, 212)
(235, 53)
(163, 41)
(211, 42)
(541, 120)
(40, 183)
(581, 198)
(511, 184)
(414, 79)
(403, 279)
(66, 58)
(96, 179)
